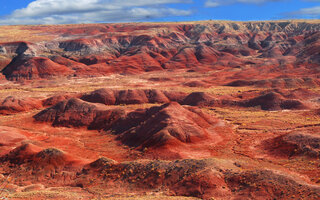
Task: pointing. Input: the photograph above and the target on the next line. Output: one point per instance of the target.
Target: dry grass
(72, 195)
(66, 193)
(22, 33)
(149, 197)
(215, 90)
(265, 121)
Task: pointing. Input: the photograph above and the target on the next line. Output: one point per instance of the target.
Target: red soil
(11, 105)
(239, 117)
(10, 136)
(2, 78)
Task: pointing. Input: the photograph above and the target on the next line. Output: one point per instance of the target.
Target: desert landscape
(187, 110)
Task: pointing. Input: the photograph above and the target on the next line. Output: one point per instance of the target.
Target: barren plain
(194, 110)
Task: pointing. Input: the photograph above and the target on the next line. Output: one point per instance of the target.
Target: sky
(13, 12)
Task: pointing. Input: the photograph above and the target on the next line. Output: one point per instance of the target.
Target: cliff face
(100, 49)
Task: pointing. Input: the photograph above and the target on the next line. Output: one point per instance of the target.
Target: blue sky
(92, 11)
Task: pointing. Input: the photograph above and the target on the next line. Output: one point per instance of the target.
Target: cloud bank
(216, 3)
(313, 12)
(93, 11)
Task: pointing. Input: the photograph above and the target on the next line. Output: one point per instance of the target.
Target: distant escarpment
(134, 48)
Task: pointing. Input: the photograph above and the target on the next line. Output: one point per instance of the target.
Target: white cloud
(306, 12)
(216, 3)
(91, 11)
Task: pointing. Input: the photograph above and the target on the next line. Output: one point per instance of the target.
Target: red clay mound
(292, 104)
(169, 124)
(10, 136)
(268, 184)
(39, 161)
(197, 84)
(31, 164)
(156, 96)
(184, 58)
(199, 99)
(240, 83)
(294, 144)
(53, 158)
(101, 163)
(100, 69)
(57, 98)
(130, 97)
(160, 79)
(175, 96)
(21, 154)
(68, 62)
(205, 179)
(105, 96)
(78, 113)
(134, 61)
(302, 93)
(34, 67)
(277, 83)
(270, 101)
(117, 97)
(273, 101)
(206, 54)
(12, 105)
(197, 178)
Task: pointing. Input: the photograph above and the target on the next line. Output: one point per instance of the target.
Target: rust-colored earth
(196, 110)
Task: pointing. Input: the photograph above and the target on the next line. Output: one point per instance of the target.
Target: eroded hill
(102, 49)
(195, 110)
